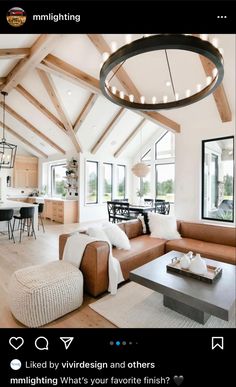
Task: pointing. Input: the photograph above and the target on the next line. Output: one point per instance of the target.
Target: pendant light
(7, 150)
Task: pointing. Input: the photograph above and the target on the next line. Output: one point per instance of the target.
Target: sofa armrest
(94, 265)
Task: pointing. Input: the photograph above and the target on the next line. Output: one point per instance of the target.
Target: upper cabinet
(25, 172)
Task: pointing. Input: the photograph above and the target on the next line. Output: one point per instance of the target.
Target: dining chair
(148, 202)
(26, 221)
(40, 211)
(118, 211)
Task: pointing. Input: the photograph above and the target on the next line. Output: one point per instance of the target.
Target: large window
(107, 181)
(91, 187)
(165, 179)
(165, 146)
(218, 179)
(145, 185)
(58, 172)
(121, 177)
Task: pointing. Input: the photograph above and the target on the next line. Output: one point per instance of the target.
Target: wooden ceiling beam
(102, 46)
(56, 100)
(2, 80)
(40, 49)
(14, 53)
(24, 141)
(108, 130)
(54, 65)
(130, 138)
(32, 128)
(40, 107)
(85, 111)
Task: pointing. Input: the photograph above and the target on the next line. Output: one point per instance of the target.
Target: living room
(82, 149)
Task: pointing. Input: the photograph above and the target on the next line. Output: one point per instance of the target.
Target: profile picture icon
(16, 17)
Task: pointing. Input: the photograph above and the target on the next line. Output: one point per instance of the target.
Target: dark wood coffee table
(192, 298)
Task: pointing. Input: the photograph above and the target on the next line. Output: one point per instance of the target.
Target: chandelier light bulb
(113, 46)
(214, 72)
(168, 83)
(199, 87)
(142, 99)
(113, 89)
(122, 94)
(131, 98)
(105, 56)
(176, 96)
(165, 98)
(154, 99)
(208, 80)
(221, 50)
(128, 38)
(215, 42)
(204, 36)
(187, 93)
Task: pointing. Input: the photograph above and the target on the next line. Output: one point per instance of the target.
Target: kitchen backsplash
(18, 191)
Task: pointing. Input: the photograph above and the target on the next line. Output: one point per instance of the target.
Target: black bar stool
(40, 211)
(26, 219)
(6, 216)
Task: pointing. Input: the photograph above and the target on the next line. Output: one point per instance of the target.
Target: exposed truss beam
(40, 107)
(130, 138)
(56, 66)
(31, 127)
(38, 51)
(85, 111)
(24, 141)
(56, 100)
(108, 130)
(14, 53)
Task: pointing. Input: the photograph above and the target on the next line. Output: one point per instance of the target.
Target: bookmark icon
(67, 341)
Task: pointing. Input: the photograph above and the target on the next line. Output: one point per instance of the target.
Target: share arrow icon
(67, 341)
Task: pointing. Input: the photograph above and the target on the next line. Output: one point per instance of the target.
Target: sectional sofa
(215, 242)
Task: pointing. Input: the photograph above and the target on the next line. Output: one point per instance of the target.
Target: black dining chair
(118, 211)
(40, 211)
(162, 207)
(26, 221)
(6, 216)
(148, 202)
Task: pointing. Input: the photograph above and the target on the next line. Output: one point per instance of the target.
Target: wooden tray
(212, 275)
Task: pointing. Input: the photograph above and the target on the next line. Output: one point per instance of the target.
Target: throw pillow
(163, 226)
(117, 237)
(141, 218)
(99, 233)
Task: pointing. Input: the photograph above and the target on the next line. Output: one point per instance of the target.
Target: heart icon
(16, 342)
(178, 379)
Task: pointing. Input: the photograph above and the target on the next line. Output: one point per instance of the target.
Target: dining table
(141, 209)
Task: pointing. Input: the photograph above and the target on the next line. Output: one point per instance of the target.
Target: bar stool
(6, 216)
(40, 211)
(26, 219)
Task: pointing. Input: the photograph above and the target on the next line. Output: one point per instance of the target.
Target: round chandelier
(140, 169)
(165, 42)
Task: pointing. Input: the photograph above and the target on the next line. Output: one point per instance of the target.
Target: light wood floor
(33, 252)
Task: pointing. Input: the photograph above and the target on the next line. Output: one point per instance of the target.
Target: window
(58, 179)
(147, 156)
(218, 179)
(91, 186)
(121, 181)
(145, 185)
(165, 181)
(107, 181)
(165, 146)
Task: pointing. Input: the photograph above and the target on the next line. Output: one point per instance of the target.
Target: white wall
(188, 164)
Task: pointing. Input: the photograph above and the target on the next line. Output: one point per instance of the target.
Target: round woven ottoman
(42, 293)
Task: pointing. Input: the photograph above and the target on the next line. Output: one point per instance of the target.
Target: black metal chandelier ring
(157, 43)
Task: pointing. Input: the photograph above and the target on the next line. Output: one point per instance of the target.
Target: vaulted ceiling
(54, 104)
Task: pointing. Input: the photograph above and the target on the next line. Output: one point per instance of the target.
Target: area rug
(135, 306)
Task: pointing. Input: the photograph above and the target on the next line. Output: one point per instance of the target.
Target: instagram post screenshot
(117, 193)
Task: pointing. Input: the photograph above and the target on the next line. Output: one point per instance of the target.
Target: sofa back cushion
(133, 228)
(122, 226)
(209, 233)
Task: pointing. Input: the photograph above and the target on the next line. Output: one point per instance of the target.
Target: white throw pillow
(163, 226)
(141, 218)
(99, 233)
(117, 237)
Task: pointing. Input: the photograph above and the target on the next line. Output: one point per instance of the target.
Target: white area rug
(135, 306)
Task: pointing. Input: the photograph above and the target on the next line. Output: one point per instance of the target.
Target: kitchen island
(10, 204)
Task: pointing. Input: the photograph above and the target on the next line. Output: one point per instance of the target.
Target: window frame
(97, 182)
(112, 185)
(117, 181)
(156, 179)
(203, 217)
(52, 174)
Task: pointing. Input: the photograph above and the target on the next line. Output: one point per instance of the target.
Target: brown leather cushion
(143, 250)
(122, 226)
(209, 233)
(206, 249)
(133, 229)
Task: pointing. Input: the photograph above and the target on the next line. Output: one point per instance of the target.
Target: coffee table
(192, 298)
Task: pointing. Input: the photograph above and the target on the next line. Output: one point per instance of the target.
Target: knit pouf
(42, 293)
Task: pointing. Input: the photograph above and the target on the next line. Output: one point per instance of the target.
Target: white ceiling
(149, 74)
